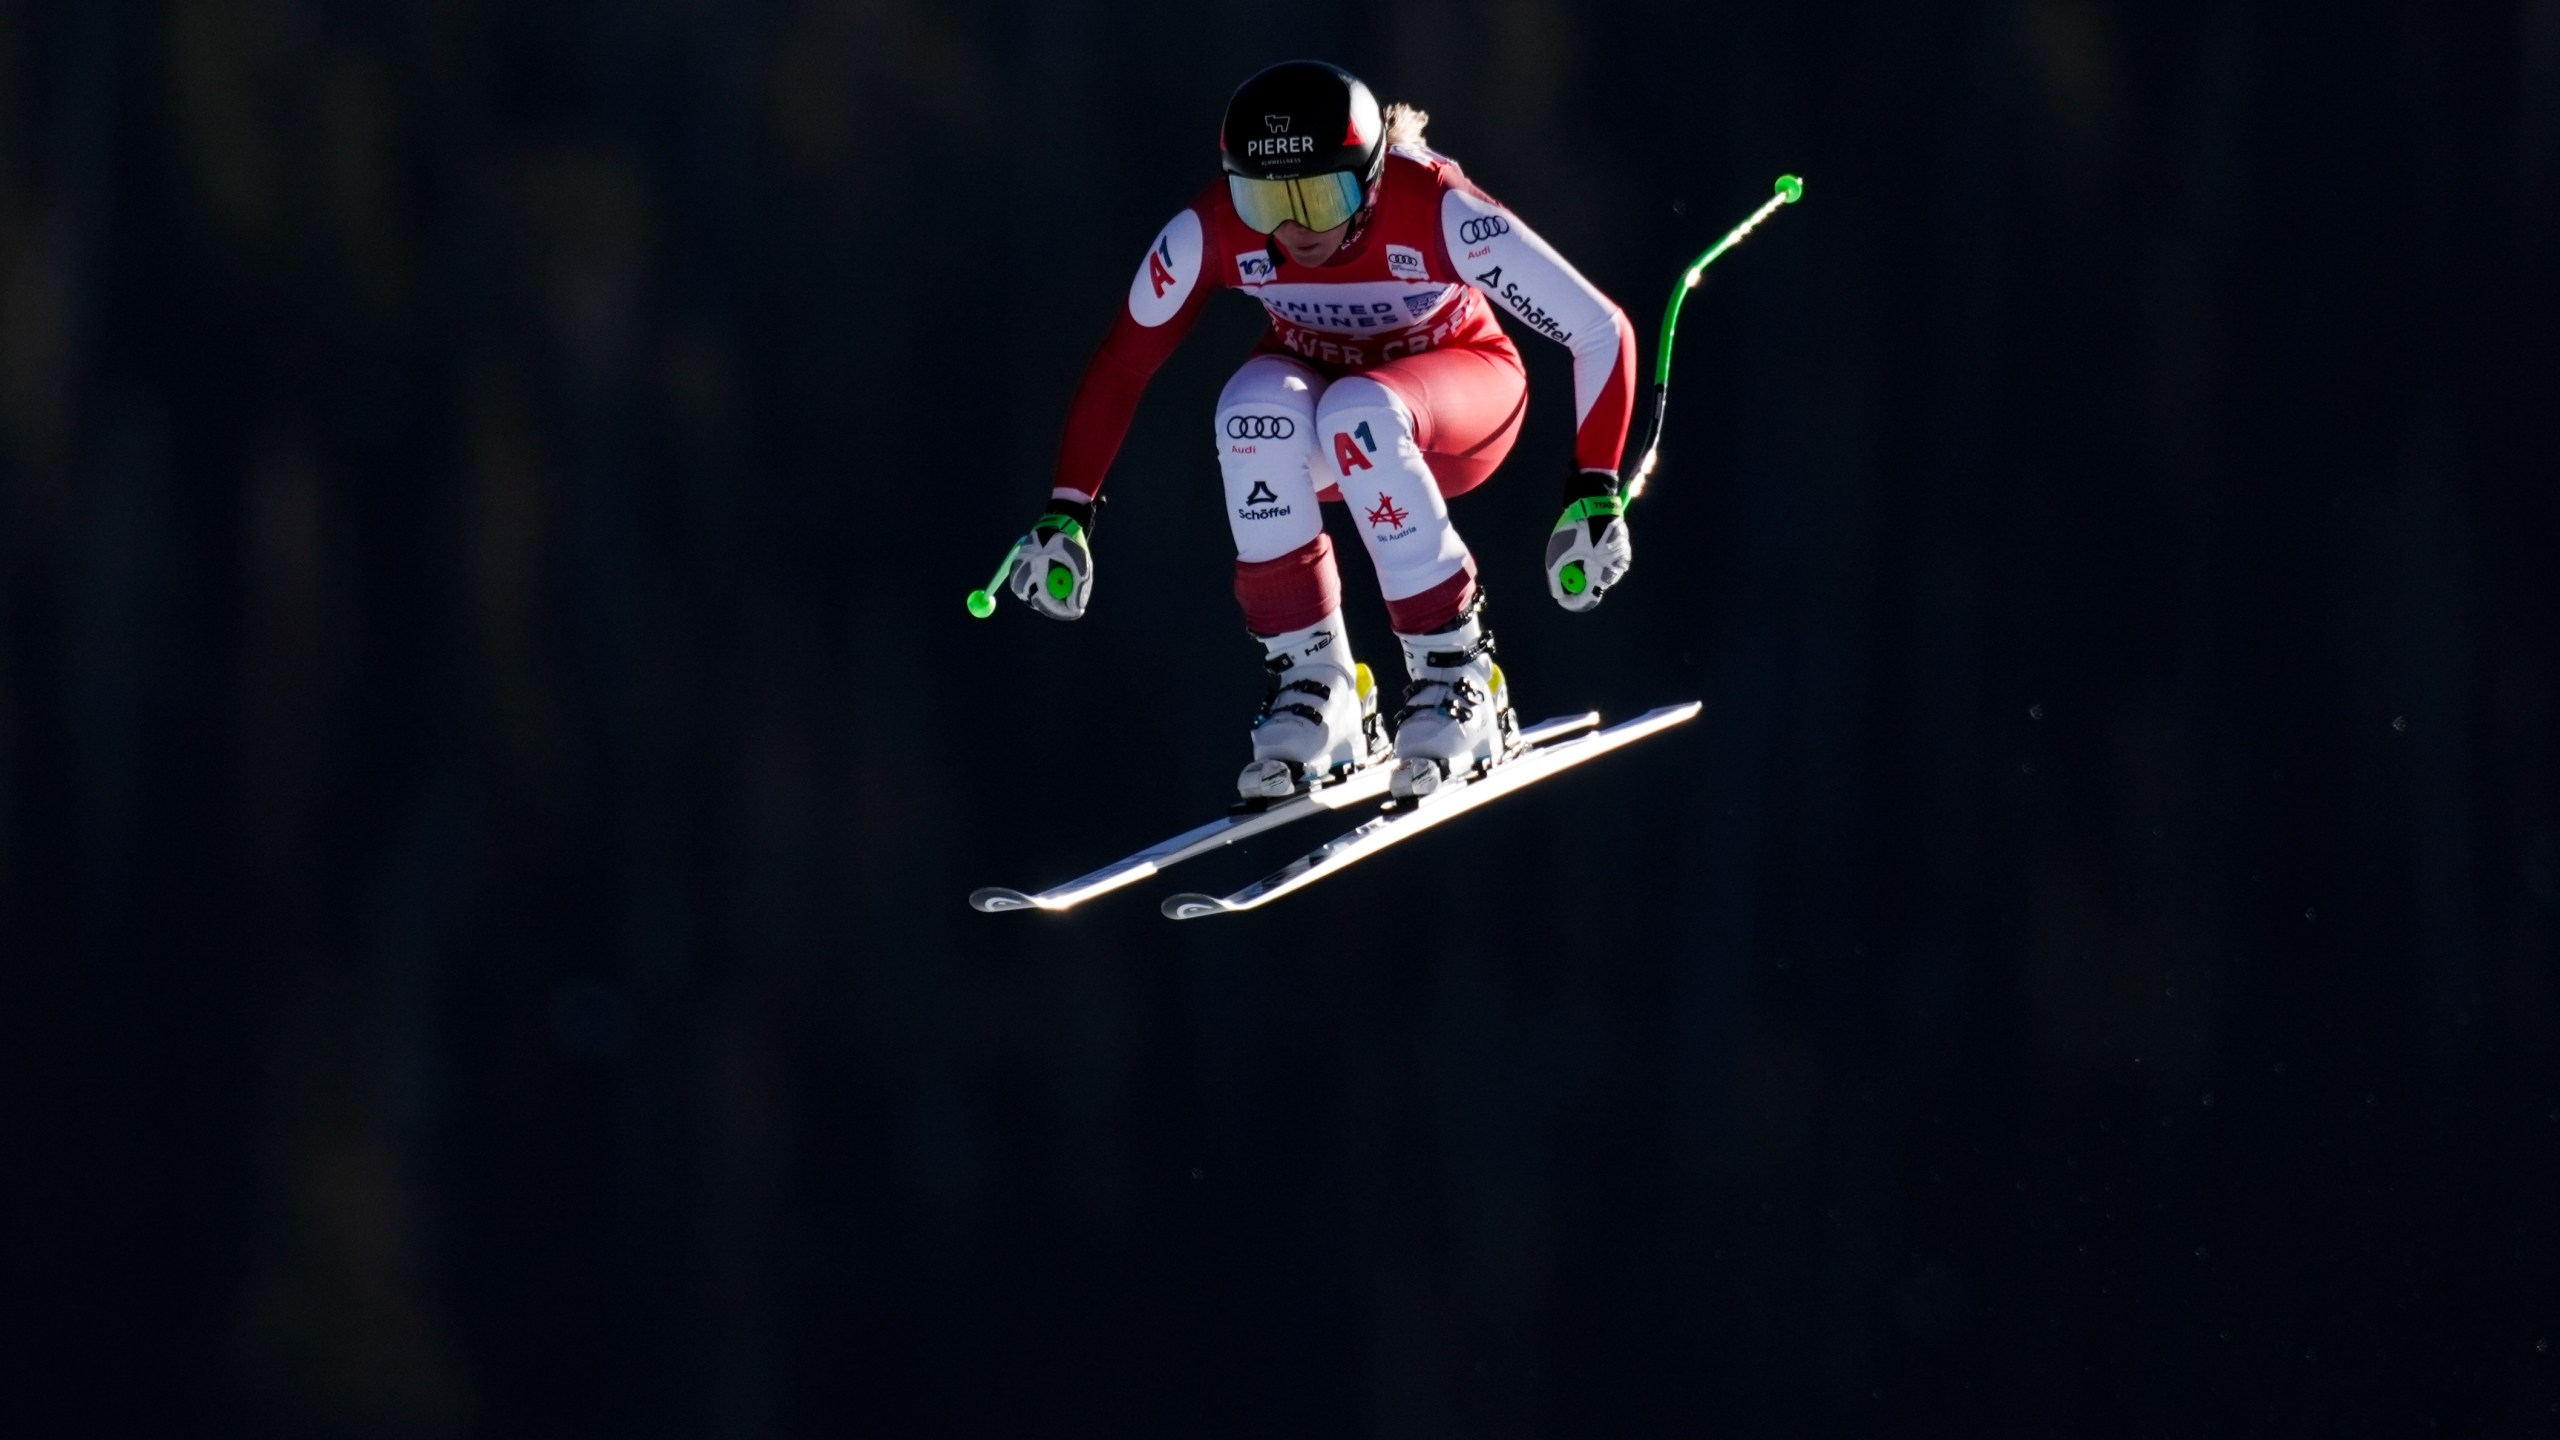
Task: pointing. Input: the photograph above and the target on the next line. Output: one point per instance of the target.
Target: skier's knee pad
(1366, 446)
(1266, 426)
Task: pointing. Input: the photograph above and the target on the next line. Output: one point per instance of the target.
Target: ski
(1360, 785)
(1403, 824)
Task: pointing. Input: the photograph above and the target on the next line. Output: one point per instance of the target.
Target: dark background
(492, 755)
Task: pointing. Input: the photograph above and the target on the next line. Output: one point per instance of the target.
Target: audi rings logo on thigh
(1260, 427)
(1483, 227)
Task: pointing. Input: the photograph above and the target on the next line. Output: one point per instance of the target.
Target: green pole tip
(981, 604)
(1573, 578)
(1790, 188)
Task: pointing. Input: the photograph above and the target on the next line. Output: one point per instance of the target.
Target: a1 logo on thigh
(1347, 455)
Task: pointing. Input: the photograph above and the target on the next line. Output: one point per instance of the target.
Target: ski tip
(995, 900)
(1192, 906)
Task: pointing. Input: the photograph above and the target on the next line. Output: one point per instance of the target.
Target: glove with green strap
(1590, 549)
(1053, 569)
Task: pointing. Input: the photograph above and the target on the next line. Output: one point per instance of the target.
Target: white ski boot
(1319, 719)
(1456, 721)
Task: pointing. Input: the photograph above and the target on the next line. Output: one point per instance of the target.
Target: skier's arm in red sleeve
(1524, 275)
(1172, 284)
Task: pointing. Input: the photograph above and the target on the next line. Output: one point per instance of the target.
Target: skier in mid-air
(1383, 382)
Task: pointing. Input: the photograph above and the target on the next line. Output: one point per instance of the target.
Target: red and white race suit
(1384, 382)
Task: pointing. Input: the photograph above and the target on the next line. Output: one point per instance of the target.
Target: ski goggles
(1319, 202)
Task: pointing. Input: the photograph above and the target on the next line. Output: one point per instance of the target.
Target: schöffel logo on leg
(1262, 503)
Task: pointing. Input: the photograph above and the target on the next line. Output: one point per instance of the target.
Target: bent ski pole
(1790, 189)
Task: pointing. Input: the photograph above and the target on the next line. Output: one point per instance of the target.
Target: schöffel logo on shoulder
(1260, 427)
(1253, 267)
(1483, 228)
(1405, 262)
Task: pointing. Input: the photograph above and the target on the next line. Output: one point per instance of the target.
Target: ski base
(1414, 817)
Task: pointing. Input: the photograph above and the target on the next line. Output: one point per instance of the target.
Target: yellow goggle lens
(1319, 202)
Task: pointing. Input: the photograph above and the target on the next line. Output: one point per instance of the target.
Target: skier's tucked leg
(1318, 718)
(1456, 715)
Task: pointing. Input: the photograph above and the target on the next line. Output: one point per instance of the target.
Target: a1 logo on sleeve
(1166, 277)
(1405, 263)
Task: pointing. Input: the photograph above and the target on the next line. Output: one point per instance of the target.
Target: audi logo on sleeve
(1260, 427)
(1483, 228)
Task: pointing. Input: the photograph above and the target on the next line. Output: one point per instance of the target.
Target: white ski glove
(1590, 549)
(1053, 574)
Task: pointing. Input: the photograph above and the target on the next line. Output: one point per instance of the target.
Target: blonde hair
(1404, 124)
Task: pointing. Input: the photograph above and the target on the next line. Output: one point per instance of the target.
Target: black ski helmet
(1302, 118)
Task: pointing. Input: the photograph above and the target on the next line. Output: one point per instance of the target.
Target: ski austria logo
(1405, 263)
(1253, 268)
(1260, 427)
(1483, 228)
(1165, 277)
